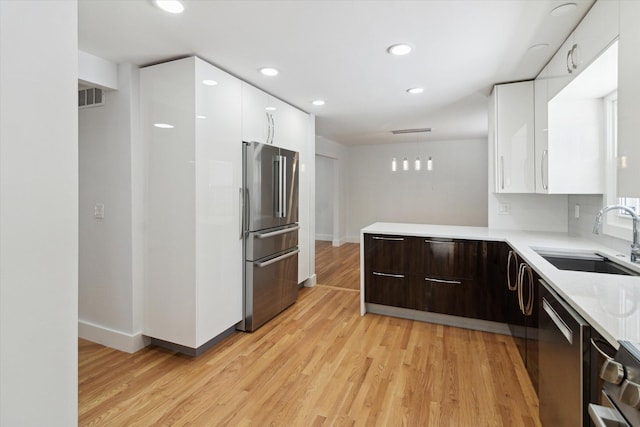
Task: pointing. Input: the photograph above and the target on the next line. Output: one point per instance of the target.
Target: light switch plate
(98, 210)
(576, 212)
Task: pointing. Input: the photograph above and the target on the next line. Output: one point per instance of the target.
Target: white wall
(324, 197)
(455, 192)
(38, 213)
(110, 283)
(340, 155)
(590, 205)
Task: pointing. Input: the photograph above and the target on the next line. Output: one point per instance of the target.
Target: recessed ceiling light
(563, 9)
(399, 49)
(209, 82)
(538, 47)
(268, 71)
(318, 102)
(415, 90)
(171, 6)
(201, 117)
(270, 108)
(163, 125)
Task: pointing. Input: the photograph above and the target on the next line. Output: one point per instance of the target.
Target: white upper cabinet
(629, 100)
(191, 125)
(597, 30)
(541, 123)
(511, 129)
(269, 120)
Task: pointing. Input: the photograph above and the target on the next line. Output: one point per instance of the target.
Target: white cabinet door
(560, 69)
(541, 137)
(219, 258)
(629, 100)
(514, 137)
(596, 32)
(255, 116)
(194, 257)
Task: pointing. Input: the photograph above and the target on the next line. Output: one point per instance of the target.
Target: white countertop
(609, 302)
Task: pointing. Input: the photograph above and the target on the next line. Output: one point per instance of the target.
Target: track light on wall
(405, 164)
(430, 164)
(394, 165)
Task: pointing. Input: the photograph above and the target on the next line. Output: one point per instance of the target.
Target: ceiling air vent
(91, 97)
(402, 131)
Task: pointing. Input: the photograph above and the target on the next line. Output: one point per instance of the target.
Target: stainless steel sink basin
(589, 262)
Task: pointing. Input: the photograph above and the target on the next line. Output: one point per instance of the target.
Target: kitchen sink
(583, 261)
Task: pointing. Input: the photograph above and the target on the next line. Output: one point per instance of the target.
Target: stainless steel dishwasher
(563, 355)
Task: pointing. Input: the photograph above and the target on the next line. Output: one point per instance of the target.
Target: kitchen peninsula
(609, 302)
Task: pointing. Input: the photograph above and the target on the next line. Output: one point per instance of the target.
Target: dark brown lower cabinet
(455, 297)
(388, 289)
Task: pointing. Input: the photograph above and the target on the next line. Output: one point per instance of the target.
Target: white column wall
(38, 213)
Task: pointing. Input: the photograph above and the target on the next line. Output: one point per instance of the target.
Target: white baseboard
(310, 282)
(352, 239)
(324, 237)
(129, 343)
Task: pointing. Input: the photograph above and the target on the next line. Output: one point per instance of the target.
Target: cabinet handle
(447, 282)
(575, 51)
(396, 276)
(528, 308)
(395, 239)
(502, 172)
(512, 255)
(569, 69)
(557, 320)
(273, 128)
(520, 296)
(438, 241)
(545, 177)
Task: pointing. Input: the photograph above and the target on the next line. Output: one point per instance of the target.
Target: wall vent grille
(403, 131)
(91, 97)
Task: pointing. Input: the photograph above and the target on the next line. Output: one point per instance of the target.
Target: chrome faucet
(635, 246)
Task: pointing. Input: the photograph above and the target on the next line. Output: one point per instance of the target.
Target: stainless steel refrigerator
(270, 185)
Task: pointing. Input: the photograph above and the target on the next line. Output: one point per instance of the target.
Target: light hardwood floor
(318, 363)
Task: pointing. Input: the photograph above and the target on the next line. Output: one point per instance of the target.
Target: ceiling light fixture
(538, 47)
(163, 125)
(563, 9)
(209, 82)
(269, 71)
(415, 90)
(399, 49)
(270, 108)
(318, 102)
(171, 6)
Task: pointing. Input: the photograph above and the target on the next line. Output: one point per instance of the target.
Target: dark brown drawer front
(456, 298)
(387, 254)
(387, 289)
(446, 258)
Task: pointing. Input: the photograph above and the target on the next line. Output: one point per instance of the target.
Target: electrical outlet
(504, 209)
(576, 211)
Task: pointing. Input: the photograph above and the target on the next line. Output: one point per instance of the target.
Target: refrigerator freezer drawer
(264, 243)
(272, 286)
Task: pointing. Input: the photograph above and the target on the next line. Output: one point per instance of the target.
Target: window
(619, 224)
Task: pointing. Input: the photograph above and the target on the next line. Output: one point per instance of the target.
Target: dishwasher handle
(606, 417)
(557, 320)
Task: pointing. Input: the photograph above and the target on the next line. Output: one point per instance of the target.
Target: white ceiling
(336, 50)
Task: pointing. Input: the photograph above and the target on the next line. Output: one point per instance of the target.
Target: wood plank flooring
(318, 363)
(338, 266)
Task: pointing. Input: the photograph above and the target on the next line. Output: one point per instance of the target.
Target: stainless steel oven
(620, 401)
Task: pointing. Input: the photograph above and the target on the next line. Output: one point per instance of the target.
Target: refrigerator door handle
(241, 211)
(283, 194)
(276, 259)
(277, 233)
(276, 186)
